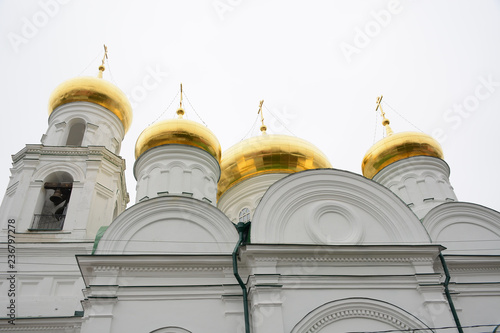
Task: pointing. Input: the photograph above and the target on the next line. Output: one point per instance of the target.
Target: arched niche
(52, 204)
(464, 227)
(328, 206)
(170, 224)
(76, 133)
(359, 315)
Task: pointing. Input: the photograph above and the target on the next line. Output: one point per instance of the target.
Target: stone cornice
(341, 253)
(48, 324)
(32, 149)
(462, 264)
(95, 265)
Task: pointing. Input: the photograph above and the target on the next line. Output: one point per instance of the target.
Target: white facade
(421, 181)
(326, 251)
(177, 170)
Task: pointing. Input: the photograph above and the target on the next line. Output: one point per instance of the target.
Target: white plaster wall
(91, 204)
(475, 289)
(289, 283)
(147, 293)
(103, 128)
(464, 228)
(422, 182)
(204, 314)
(170, 224)
(329, 206)
(246, 194)
(48, 280)
(177, 170)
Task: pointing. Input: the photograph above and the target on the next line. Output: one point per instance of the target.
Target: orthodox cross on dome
(263, 127)
(180, 110)
(385, 121)
(102, 68)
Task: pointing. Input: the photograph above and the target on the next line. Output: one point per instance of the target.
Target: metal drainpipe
(448, 295)
(242, 230)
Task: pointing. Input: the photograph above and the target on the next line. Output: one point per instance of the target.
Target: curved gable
(169, 225)
(464, 227)
(328, 206)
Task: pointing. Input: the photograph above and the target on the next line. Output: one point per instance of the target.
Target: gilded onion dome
(266, 154)
(395, 147)
(178, 131)
(94, 90)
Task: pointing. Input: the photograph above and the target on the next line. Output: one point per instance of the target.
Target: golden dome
(268, 154)
(396, 147)
(94, 90)
(178, 131)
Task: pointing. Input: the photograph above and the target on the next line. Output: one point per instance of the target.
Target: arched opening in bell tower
(53, 202)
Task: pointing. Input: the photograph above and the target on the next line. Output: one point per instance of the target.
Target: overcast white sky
(319, 66)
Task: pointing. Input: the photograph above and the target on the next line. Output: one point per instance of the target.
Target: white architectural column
(422, 182)
(177, 170)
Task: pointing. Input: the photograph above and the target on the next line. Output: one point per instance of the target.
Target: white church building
(265, 237)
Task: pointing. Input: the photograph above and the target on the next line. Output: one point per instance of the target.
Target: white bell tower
(72, 183)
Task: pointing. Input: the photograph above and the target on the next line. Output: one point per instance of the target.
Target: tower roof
(94, 90)
(178, 131)
(395, 147)
(268, 153)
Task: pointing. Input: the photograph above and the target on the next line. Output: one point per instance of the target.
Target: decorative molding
(286, 202)
(42, 150)
(378, 310)
(158, 214)
(176, 269)
(346, 259)
(39, 328)
(354, 235)
(357, 313)
(106, 268)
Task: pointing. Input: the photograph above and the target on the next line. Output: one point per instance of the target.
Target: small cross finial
(385, 121)
(102, 68)
(180, 110)
(263, 127)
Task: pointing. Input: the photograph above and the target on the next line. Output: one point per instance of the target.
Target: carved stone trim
(358, 313)
(324, 258)
(175, 269)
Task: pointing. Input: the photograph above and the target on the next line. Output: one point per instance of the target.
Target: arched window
(244, 215)
(75, 135)
(55, 197)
